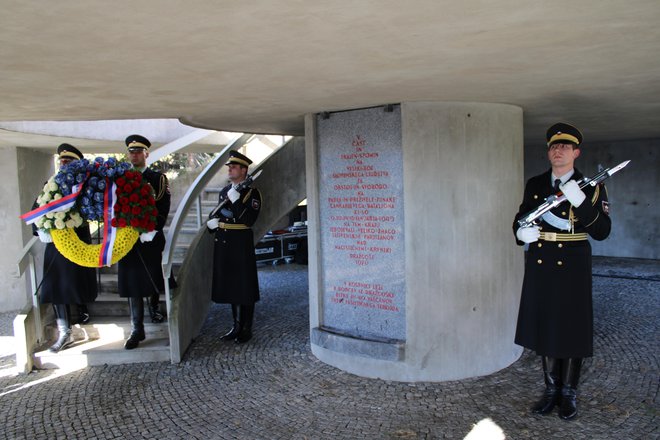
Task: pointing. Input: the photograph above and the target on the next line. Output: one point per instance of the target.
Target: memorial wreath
(103, 191)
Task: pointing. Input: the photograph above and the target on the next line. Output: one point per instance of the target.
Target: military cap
(238, 158)
(564, 133)
(68, 151)
(135, 142)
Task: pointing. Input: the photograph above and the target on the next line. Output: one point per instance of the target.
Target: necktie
(557, 183)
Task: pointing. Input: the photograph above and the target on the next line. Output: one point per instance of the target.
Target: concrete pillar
(462, 176)
(24, 172)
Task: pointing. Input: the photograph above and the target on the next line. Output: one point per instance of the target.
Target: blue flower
(101, 185)
(98, 197)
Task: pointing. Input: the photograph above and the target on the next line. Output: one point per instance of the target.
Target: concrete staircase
(101, 341)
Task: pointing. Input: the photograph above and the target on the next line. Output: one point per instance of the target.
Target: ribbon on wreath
(62, 204)
(109, 231)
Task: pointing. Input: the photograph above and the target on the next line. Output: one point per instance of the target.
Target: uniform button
(540, 244)
(215, 239)
(535, 196)
(224, 241)
(560, 245)
(563, 213)
(559, 263)
(539, 261)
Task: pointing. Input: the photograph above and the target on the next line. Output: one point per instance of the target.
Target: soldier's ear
(577, 153)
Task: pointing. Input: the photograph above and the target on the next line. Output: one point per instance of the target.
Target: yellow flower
(67, 242)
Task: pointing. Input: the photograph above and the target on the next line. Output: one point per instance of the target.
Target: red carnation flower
(120, 182)
(151, 226)
(143, 202)
(135, 222)
(113, 223)
(123, 200)
(145, 190)
(136, 210)
(125, 209)
(134, 198)
(117, 208)
(122, 223)
(128, 188)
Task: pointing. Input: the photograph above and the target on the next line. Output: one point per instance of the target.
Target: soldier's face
(65, 161)
(562, 155)
(138, 157)
(236, 172)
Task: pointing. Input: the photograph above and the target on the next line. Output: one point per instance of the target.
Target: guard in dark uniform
(65, 282)
(555, 318)
(235, 279)
(140, 272)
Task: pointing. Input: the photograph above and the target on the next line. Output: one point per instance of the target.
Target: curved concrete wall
(463, 181)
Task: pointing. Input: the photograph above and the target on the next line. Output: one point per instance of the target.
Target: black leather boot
(83, 314)
(154, 309)
(552, 394)
(65, 337)
(245, 315)
(236, 329)
(137, 323)
(570, 377)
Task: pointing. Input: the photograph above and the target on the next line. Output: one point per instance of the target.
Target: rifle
(551, 202)
(241, 186)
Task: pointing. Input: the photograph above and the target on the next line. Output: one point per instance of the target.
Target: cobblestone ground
(274, 388)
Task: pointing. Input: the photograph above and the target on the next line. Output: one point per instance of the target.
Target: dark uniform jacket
(555, 318)
(66, 282)
(234, 262)
(140, 271)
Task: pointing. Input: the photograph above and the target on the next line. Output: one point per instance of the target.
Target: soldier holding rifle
(555, 318)
(235, 279)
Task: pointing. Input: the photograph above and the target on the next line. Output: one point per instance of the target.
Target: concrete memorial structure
(414, 275)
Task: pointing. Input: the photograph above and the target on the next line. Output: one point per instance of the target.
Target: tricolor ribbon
(62, 204)
(109, 231)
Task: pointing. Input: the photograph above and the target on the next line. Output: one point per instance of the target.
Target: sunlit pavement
(274, 388)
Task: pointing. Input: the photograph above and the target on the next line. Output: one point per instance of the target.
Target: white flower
(46, 197)
(48, 224)
(52, 186)
(71, 223)
(78, 221)
(50, 215)
(59, 224)
(60, 215)
(40, 222)
(57, 196)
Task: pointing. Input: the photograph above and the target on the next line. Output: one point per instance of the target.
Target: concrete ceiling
(259, 66)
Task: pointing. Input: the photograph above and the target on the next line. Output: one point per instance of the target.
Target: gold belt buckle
(550, 236)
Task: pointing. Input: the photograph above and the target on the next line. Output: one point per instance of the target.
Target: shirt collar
(563, 178)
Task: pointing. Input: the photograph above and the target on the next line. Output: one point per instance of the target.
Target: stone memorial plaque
(361, 223)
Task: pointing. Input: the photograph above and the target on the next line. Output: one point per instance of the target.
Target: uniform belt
(232, 226)
(555, 236)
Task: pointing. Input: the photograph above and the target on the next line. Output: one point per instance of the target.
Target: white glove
(148, 236)
(212, 224)
(233, 195)
(529, 234)
(44, 236)
(573, 193)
